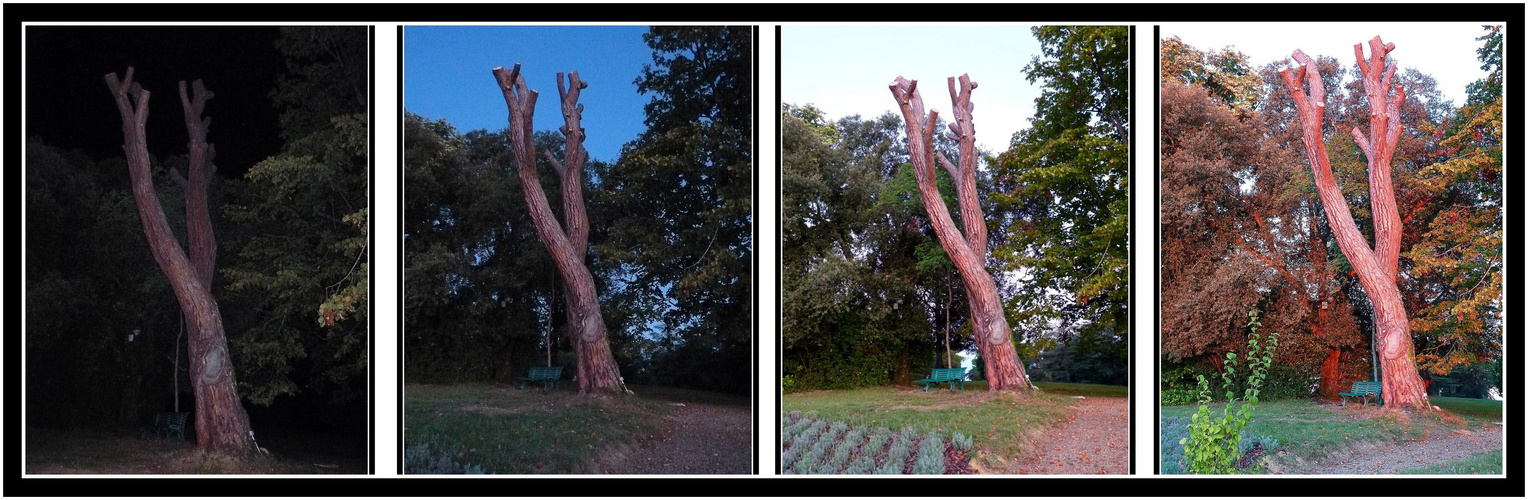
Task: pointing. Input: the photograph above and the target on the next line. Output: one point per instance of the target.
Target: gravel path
(1396, 457)
(697, 439)
(1094, 440)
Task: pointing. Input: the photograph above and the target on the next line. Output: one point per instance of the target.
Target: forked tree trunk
(597, 371)
(221, 423)
(967, 250)
(1376, 267)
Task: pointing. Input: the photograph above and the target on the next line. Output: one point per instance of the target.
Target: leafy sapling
(1214, 442)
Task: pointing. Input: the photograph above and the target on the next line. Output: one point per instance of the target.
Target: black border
(759, 14)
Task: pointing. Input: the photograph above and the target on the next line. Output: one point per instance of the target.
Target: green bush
(1180, 384)
(1214, 442)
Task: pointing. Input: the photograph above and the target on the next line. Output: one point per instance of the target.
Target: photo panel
(952, 282)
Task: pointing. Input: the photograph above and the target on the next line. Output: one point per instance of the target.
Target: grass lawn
(502, 430)
(1313, 430)
(117, 451)
(1089, 390)
(1485, 462)
(1003, 425)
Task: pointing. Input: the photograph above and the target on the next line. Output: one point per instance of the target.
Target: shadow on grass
(503, 430)
(107, 451)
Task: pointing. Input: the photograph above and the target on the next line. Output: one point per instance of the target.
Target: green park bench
(169, 424)
(955, 376)
(1364, 390)
(547, 375)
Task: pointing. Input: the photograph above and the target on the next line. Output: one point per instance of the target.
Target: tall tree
(1062, 190)
(968, 248)
(221, 423)
(1376, 267)
(568, 242)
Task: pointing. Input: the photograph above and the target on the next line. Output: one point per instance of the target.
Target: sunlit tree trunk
(221, 423)
(568, 242)
(968, 250)
(1376, 267)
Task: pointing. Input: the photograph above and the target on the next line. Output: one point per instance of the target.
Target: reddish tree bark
(968, 250)
(221, 423)
(568, 242)
(1376, 267)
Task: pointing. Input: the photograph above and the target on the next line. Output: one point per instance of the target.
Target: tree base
(1004, 372)
(597, 371)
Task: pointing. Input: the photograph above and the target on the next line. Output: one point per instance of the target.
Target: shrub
(420, 460)
(877, 443)
(961, 442)
(861, 465)
(841, 453)
(1171, 445)
(1180, 384)
(1213, 444)
(901, 449)
(930, 455)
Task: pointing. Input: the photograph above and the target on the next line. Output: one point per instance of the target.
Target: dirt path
(1094, 440)
(697, 439)
(1396, 457)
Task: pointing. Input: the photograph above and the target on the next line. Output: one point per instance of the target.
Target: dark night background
(69, 106)
(85, 241)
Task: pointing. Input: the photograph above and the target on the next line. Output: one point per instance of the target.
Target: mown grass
(1003, 426)
(1089, 390)
(1313, 430)
(1485, 462)
(1482, 411)
(111, 451)
(508, 431)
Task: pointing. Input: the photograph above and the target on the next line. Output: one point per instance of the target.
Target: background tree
(221, 423)
(1240, 232)
(680, 209)
(1061, 192)
(864, 282)
(300, 229)
(1376, 267)
(567, 242)
(967, 248)
(481, 300)
(1226, 73)
(1455, 270)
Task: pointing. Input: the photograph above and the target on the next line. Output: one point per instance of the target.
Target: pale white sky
(845, 69)
(1444, 50)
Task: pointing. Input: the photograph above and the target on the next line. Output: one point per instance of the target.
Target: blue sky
(447, 73)
(844, 70)
(1446, 51)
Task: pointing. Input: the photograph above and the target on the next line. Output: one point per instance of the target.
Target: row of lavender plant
(815, 446)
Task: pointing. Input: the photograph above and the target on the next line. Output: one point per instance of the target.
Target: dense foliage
(1062, 191)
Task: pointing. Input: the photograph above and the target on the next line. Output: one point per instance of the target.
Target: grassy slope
(510, 431)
